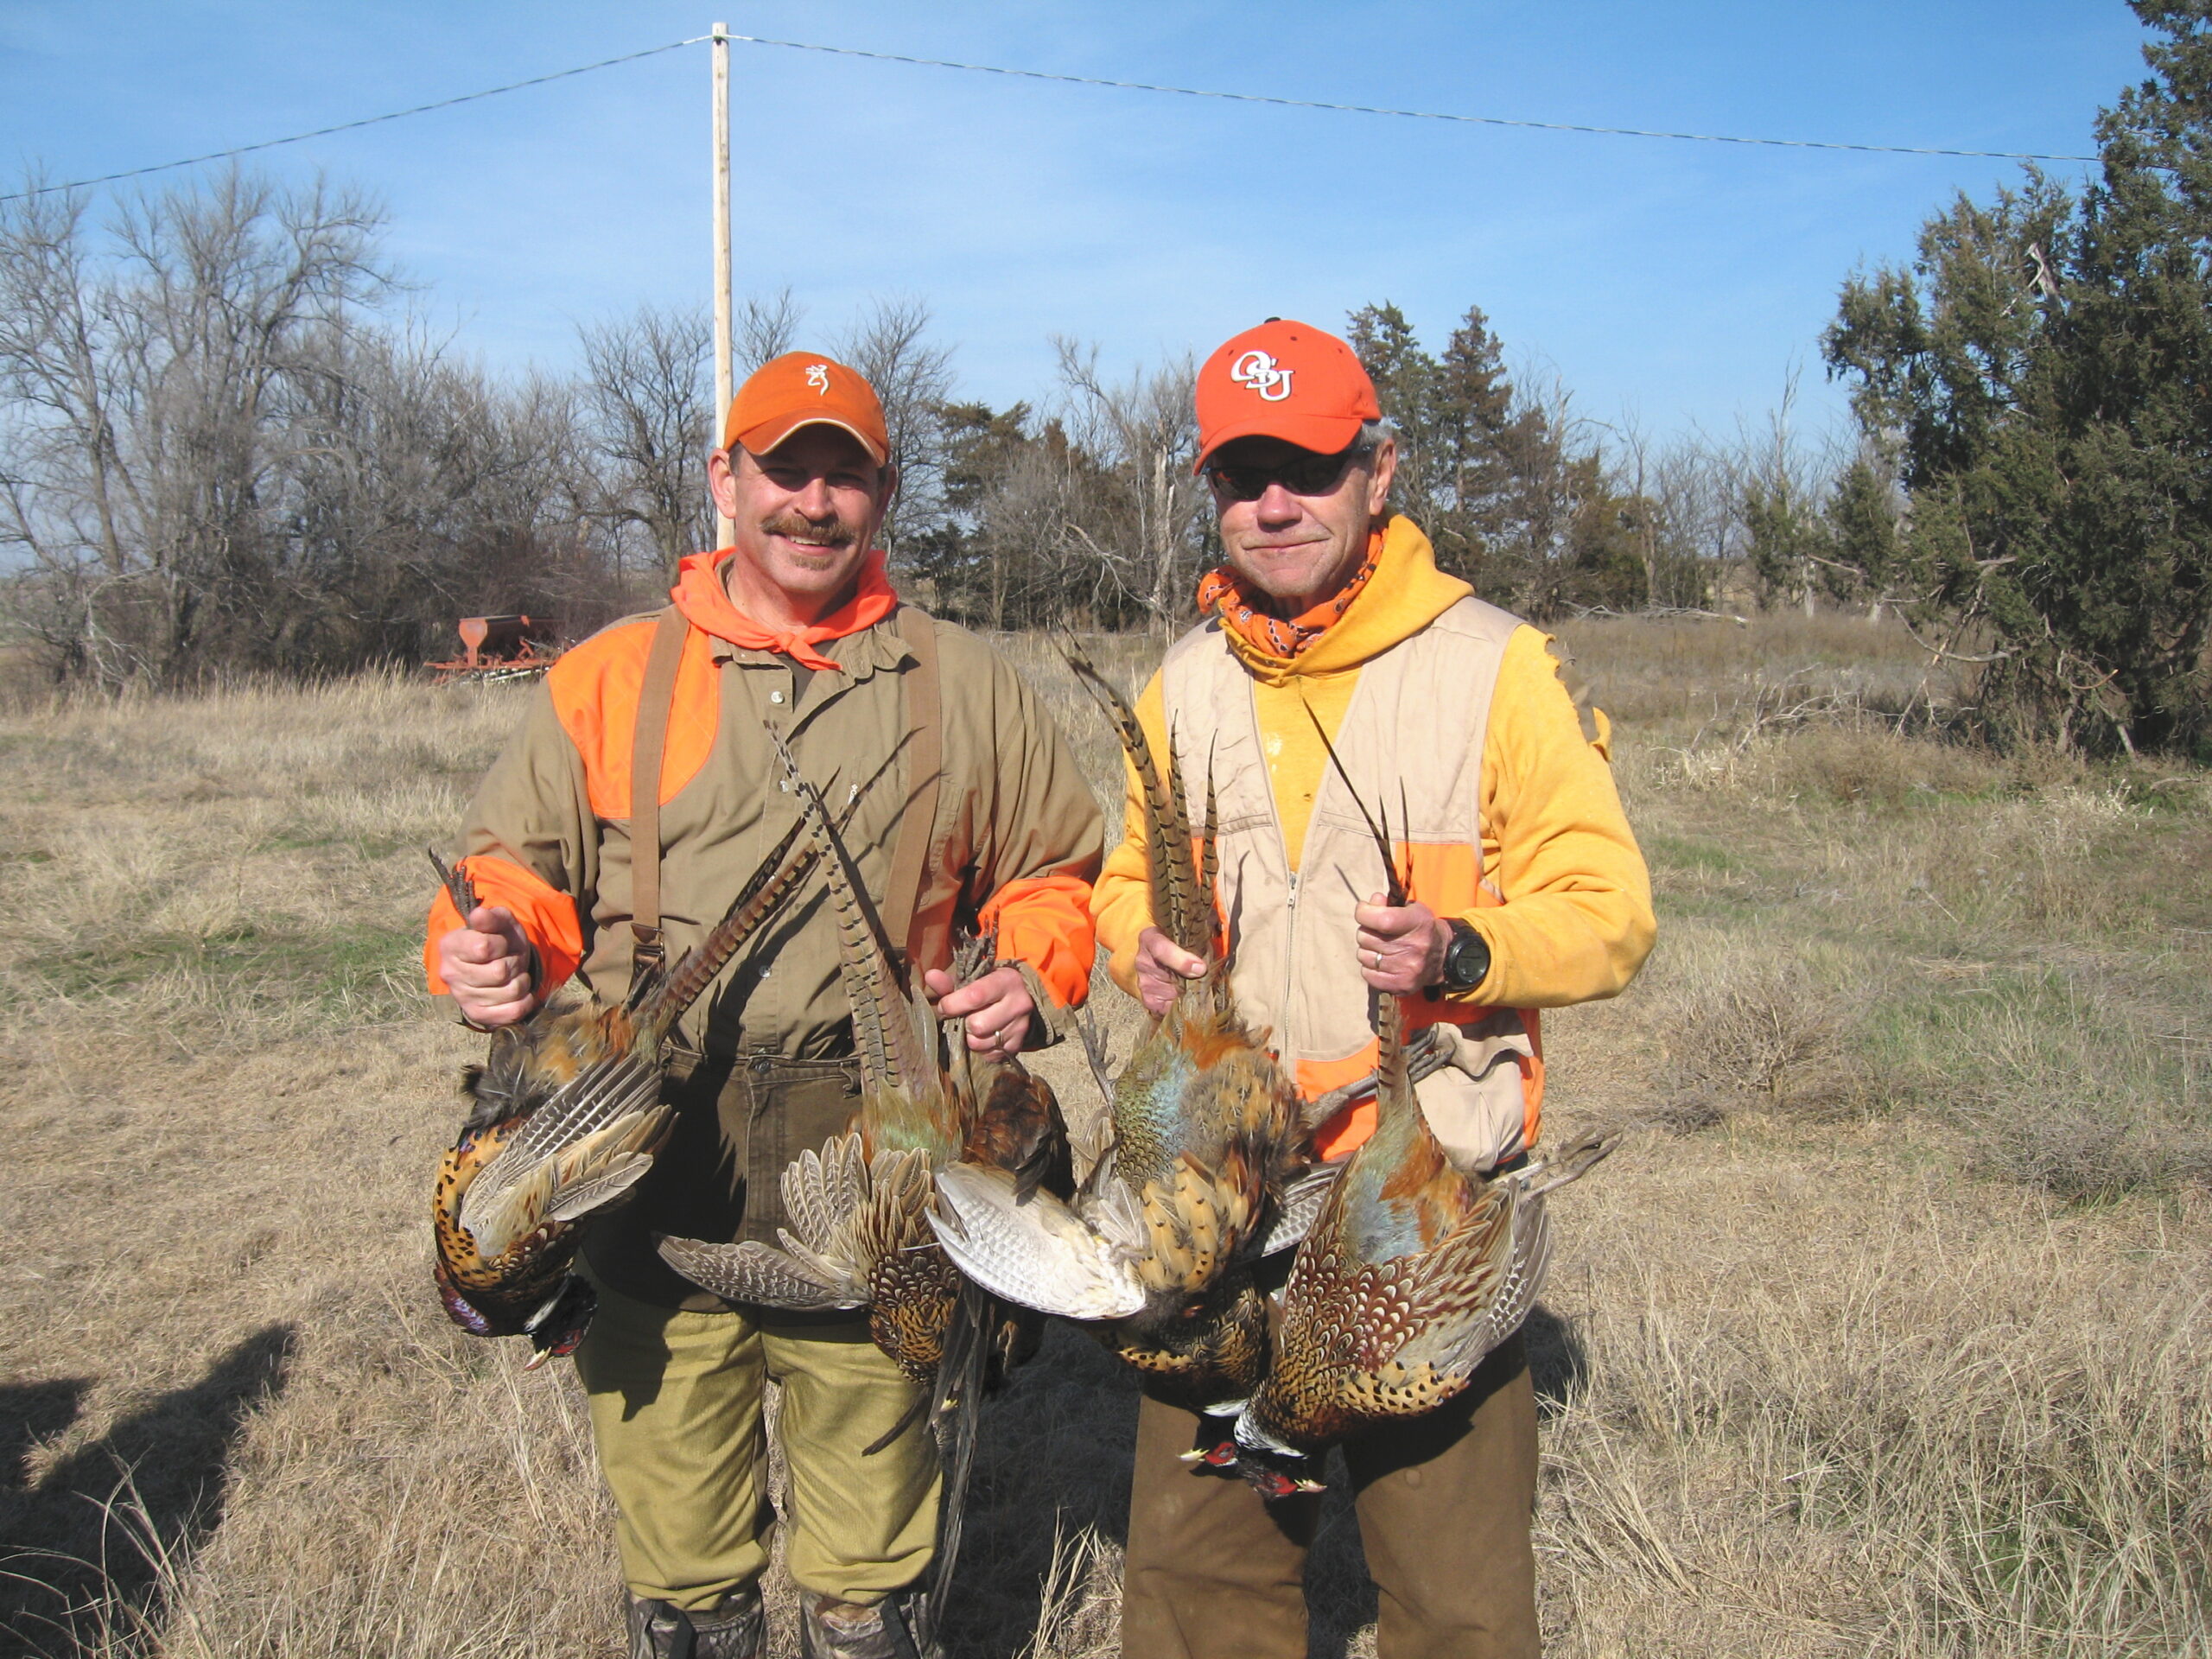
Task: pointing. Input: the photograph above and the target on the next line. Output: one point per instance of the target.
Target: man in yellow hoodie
(1526, 892)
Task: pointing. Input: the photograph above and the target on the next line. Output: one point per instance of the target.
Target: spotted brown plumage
(564, 1118)
(1411, 1273)
(1206, 1137)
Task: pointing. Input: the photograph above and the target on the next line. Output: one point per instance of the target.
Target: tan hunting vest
(1412, 740)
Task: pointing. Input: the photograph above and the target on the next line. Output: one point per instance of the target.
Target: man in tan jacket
(618, 825)
(1526, 891)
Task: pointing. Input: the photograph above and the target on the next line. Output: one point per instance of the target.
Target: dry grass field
(1886, 1332)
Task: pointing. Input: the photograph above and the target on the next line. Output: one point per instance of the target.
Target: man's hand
(1162, 966)
(997, 1008)
(486, 965)
(1400, 946)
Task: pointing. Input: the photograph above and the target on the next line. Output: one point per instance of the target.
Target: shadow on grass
(1053, 1458)
(1557, 1363)
(83, 1549)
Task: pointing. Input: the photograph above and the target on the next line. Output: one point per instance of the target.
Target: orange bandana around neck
(700, 594)
(1242, 613)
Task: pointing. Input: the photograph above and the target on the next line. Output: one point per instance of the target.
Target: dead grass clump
(1871, 766)
(2089, 1151)
(1751, 1026)
(2063, 1078)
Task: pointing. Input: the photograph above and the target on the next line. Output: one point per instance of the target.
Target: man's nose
(1277, 505)
(814, 500)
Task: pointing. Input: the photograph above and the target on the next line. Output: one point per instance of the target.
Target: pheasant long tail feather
(1394, 881)
(1209, 859)
(778, 876)
(956, 1415)
(890, 1047)
(663, 1003)
(1168, 853)
(458, 887)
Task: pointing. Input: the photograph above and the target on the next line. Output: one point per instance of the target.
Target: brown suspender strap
(654, 696)
(925, 768)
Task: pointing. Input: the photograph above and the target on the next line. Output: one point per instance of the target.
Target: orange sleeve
(1045, 921)
(548, 917)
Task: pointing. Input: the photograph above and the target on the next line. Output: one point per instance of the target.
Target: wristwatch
(1466, 959)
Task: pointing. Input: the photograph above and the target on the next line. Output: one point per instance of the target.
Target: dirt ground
(1886, 1332)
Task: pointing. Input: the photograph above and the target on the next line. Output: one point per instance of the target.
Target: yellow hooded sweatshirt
(1576, 924)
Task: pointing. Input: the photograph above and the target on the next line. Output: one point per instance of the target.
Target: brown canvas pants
(1445, 1503)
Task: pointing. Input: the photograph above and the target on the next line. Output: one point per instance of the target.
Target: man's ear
(721, 482)
(1386, 468)
(887, 487)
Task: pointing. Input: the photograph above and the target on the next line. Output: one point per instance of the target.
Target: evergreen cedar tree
(2036, 397)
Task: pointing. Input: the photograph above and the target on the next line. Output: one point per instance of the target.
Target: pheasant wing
(757, 1273)
(824, 1191)
(1298, 1208)
(1035, 1251)
(602, 1092)
(577, 1179)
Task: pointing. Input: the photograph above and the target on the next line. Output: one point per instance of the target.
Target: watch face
(1466, 962)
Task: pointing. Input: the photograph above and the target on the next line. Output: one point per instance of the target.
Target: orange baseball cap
(1288, 380)
(805, 389)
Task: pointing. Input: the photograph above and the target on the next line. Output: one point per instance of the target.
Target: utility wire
(349, 126)
(1409, 115)
(1066, 80)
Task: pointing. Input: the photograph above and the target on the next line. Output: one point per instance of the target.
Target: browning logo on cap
(799, 389)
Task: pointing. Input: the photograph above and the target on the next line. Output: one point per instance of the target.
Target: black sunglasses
(1307, 475)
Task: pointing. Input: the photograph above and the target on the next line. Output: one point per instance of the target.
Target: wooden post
(725, 532)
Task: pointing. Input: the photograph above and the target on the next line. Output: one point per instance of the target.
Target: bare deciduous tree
(1144, 526)
(889, 345)
(649, 394)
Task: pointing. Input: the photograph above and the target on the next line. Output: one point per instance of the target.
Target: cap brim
(1325, 435)
(762, 439)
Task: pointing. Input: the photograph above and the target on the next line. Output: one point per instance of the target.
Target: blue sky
(1672, 284)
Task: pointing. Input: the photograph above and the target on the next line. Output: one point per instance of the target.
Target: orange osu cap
(1288, 380)
(805, 389)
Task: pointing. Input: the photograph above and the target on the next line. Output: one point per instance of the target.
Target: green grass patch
(337, 969)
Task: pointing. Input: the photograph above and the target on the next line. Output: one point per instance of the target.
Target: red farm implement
(502, 648)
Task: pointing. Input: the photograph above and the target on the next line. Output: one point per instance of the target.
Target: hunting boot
(736, 1630)
(897, 1627)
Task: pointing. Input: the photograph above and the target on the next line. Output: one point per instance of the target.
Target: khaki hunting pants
(676, 1411)
(1444, 1504)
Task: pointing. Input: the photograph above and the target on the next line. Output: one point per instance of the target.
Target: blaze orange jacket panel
(1014, 839)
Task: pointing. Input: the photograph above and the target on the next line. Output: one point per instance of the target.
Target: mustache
(833, 531)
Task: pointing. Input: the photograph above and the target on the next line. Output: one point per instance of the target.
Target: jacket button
(775, 697)
(760, 1063)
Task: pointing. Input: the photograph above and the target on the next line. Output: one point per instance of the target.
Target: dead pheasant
(1207, 1136)
(565, 1116)
(1409, 1277)
(859, 1236)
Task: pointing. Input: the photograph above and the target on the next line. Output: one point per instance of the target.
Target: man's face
(804, 514)
(1297, 545)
